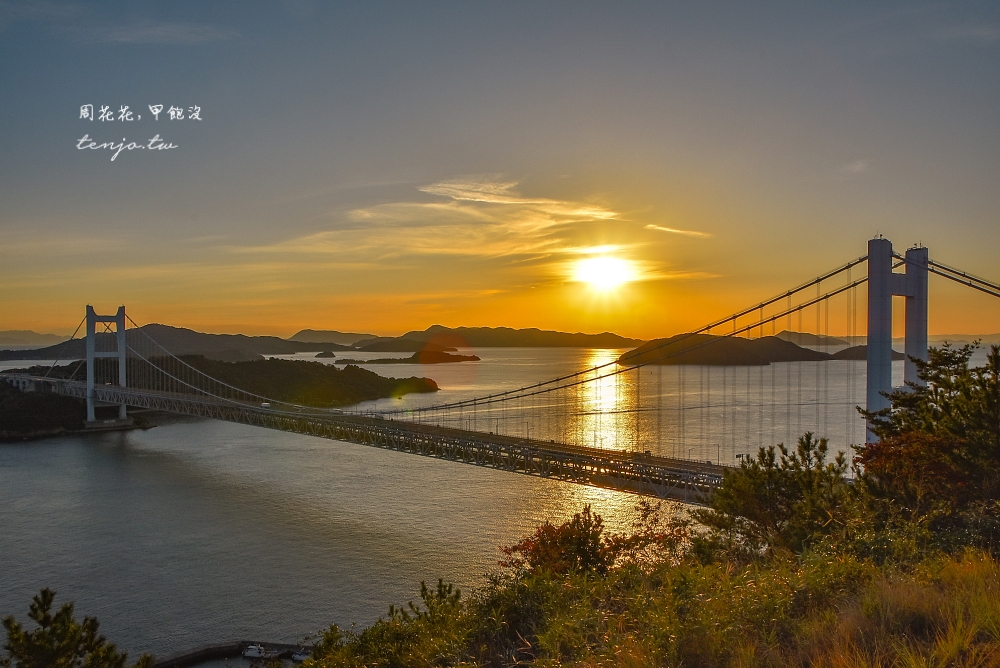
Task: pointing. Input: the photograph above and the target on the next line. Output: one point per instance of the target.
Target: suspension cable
(198, 373)
(625, 368)
(965, 275)
(967, 281)
(67, 341)
(514, 393)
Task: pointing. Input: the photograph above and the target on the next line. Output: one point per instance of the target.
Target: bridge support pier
(92, 354)
(883, 284)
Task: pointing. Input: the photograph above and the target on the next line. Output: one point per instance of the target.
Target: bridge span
(568, 412)
(638, 473)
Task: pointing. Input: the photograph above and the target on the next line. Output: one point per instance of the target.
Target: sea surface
(198, 531)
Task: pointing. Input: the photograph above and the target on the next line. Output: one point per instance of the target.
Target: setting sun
(604, 273)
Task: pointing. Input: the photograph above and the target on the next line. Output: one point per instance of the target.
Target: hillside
(506, 337)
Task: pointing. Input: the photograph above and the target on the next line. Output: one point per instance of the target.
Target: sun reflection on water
(606, 406)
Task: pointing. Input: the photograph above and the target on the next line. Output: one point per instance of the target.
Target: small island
(326, 354)
(422, 357)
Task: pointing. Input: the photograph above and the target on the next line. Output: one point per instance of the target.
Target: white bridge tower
(119, 322)
(883, 285)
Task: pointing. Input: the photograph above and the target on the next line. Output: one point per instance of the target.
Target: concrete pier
(230, 650)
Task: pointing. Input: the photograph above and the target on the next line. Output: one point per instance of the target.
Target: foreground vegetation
(59, 641)
(789, 564)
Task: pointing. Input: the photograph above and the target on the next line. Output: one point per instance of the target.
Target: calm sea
(198, 531)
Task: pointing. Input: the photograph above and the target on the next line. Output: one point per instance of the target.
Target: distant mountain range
(182, 341)
(810, 340)
(959, 339)
(26, 337)
(786, 346)
(506, 337)
(239, 347)
(329, 336)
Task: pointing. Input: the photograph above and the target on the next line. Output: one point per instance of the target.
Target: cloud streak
(163, 33)
(856, 167)
(71, 17)
(475, 217)
(672, 230)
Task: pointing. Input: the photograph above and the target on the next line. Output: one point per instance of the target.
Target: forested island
(309, 383)
(712, 350)
(421, 357)
(787, 564)
(37, 414)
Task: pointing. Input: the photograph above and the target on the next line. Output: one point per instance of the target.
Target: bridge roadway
(638, 473)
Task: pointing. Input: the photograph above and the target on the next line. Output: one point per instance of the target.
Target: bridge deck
(633, 472)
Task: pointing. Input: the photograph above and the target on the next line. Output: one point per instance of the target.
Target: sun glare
(604, 273)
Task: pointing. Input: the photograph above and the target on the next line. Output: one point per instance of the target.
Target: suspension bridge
(629, 422)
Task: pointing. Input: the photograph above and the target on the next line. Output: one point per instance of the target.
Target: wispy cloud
(856, 167)
(163, 33)
(37, 10)
(74, 18)
(487, 190)
(972, 33)
(482, 219)
(474, 217)
(672, 230)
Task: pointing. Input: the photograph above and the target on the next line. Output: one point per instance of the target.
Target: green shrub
(774, 502)
(59, 641)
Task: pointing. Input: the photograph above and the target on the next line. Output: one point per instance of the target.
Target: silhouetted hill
(183, 341)
(26, 337)
(861, 353)
(506, 337)
(708, 349)
(329, 336)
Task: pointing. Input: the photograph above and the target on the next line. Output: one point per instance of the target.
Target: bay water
(198, 531)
